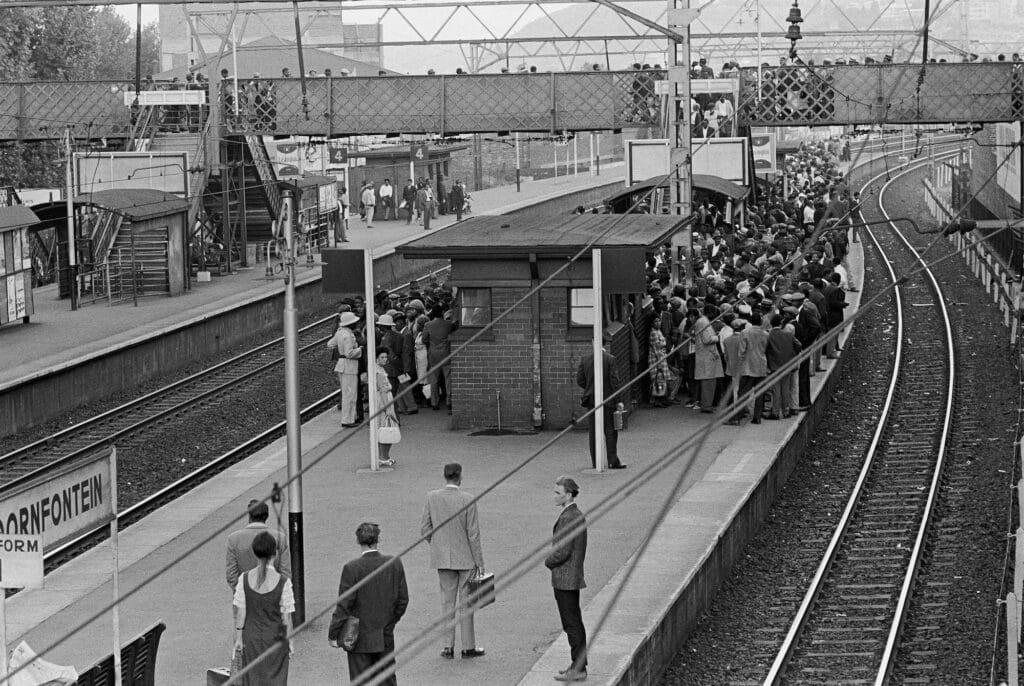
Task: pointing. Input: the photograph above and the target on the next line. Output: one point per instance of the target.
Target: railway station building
(521, 374)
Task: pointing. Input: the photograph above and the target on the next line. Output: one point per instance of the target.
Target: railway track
(167, 406)
(847, 625)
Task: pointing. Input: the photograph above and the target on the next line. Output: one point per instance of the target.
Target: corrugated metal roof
(487, 235)
(17, 216)
(135, 203)
(704, 181)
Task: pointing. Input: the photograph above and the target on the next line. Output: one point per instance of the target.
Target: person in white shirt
(387, 199)
(723, 113)
(369, 200)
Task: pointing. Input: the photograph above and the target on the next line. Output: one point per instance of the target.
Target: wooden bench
(138, 663)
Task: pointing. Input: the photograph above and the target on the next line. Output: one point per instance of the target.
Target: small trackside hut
(524, 367)
(16, 264)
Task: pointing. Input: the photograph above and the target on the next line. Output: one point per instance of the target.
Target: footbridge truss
(550, 102)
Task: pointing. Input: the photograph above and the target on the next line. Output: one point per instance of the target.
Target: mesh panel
(93, 108)
(983, 92)
(385, 105)
(635, 97)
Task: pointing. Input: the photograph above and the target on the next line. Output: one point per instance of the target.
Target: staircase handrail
(199, 186)
(141, 128)
(266, 174)
(103, 236)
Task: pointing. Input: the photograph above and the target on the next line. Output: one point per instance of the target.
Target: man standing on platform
(458, 200)
(241, 558)
(409, 199)
(566, 564)
(456, 554)
(369, 200)
(387, 199)
(347, 367)
(585, 380)
(379, 605)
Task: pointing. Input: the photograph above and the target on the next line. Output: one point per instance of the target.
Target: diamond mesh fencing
(451, 104)
(41, 109)
(800, 96)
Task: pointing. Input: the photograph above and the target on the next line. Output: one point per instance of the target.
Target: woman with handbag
(263, 607)
(388, 432)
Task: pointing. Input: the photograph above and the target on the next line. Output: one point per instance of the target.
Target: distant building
(178, 40)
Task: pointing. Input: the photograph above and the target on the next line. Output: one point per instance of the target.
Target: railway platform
(181, 547)
(58, 338)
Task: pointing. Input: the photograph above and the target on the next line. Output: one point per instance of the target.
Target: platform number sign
(21, 561)
(338, 154)
(419, 152)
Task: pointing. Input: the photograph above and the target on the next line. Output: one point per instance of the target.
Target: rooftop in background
(267, 56)
(490, 235)
(135, 203)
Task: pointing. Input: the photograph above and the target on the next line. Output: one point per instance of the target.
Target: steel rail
(791, 641)
(136, 511)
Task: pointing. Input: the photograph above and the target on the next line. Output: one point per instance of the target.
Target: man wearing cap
(241, 558)
(347, 367)
(569, 551)
(585, 380)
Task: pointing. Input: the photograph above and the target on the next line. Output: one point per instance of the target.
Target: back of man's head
(258, 511)
(453, 472)
(368, 534)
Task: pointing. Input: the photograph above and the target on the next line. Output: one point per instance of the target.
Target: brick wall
(505, 362)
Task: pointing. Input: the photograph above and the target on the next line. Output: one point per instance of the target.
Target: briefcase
(481, 591)
(217, 676)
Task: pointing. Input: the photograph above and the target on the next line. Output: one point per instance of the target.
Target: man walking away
(782, 347)
(241, 558)
(456, 554)
(458, 200)
(378, 605)
(569, 550)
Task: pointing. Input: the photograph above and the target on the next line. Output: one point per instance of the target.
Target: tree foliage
(64, 43)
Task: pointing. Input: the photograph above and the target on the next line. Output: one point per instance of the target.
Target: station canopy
(135, 204)
(549, 236)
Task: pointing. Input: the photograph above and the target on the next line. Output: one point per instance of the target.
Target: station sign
(61, 506)
(21, 561)
(419, 152)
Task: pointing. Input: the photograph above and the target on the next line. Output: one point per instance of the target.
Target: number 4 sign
(418, 152)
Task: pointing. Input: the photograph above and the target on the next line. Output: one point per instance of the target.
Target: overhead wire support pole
(302, 63)
(680, 14)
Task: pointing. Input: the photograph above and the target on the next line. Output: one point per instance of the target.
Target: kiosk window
(474, 307)
(581, 307)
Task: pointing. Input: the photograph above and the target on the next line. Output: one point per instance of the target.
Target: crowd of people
(763, 291)
(423, 200)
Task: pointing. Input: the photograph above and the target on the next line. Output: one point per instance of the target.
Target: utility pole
(292, 418)
(679, 17)
(69, 192)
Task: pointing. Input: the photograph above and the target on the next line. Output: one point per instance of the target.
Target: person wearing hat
(568, 552)
(347, 367)
(733, 348)
(394, 340)
(585, 380)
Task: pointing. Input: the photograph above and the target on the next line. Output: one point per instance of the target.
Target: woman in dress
(657, 347)
(386, 417)
(420, 349)
(263, 607)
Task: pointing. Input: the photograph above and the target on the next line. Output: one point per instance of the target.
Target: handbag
(349, 633)
(389, 435)
(481, 590)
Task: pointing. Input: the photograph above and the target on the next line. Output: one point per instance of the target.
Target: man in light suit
(566, 565)
(378, 604)
(347, 366)
(240, 556)
(755, 364)
(455, 553)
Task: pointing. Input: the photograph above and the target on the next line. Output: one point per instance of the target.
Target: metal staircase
(265, 172)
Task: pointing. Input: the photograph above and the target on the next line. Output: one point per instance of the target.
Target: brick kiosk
(525, 366)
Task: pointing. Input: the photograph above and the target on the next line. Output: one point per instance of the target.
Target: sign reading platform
(61, 506)
(21, 561)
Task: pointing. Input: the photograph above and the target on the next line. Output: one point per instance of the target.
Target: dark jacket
(782, 347)
(835, 303)
(379, 604)
(393, 341)
(585, 377)
(818, 298)
(808, 324)
(458, 197)
(409, 196)
(435, 337)
(566, 560)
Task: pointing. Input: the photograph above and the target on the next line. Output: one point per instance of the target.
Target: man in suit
(378, 605)
(585, 380)
(241, 558)
(755, 363)
(569, 550)
(455, 553)
(733, 348)
(808, 328)
(835, 303)
(782, 347)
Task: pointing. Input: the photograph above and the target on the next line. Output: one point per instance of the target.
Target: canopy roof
(707, 182)
(489, 236)
(134, 203)
(16, 216)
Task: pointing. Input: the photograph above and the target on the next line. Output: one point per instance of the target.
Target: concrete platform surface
(57, 337)
(180, 574)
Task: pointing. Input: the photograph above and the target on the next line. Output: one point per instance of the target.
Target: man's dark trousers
(804, 383)
(572, 624)
(361, 663)
(611, 437)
